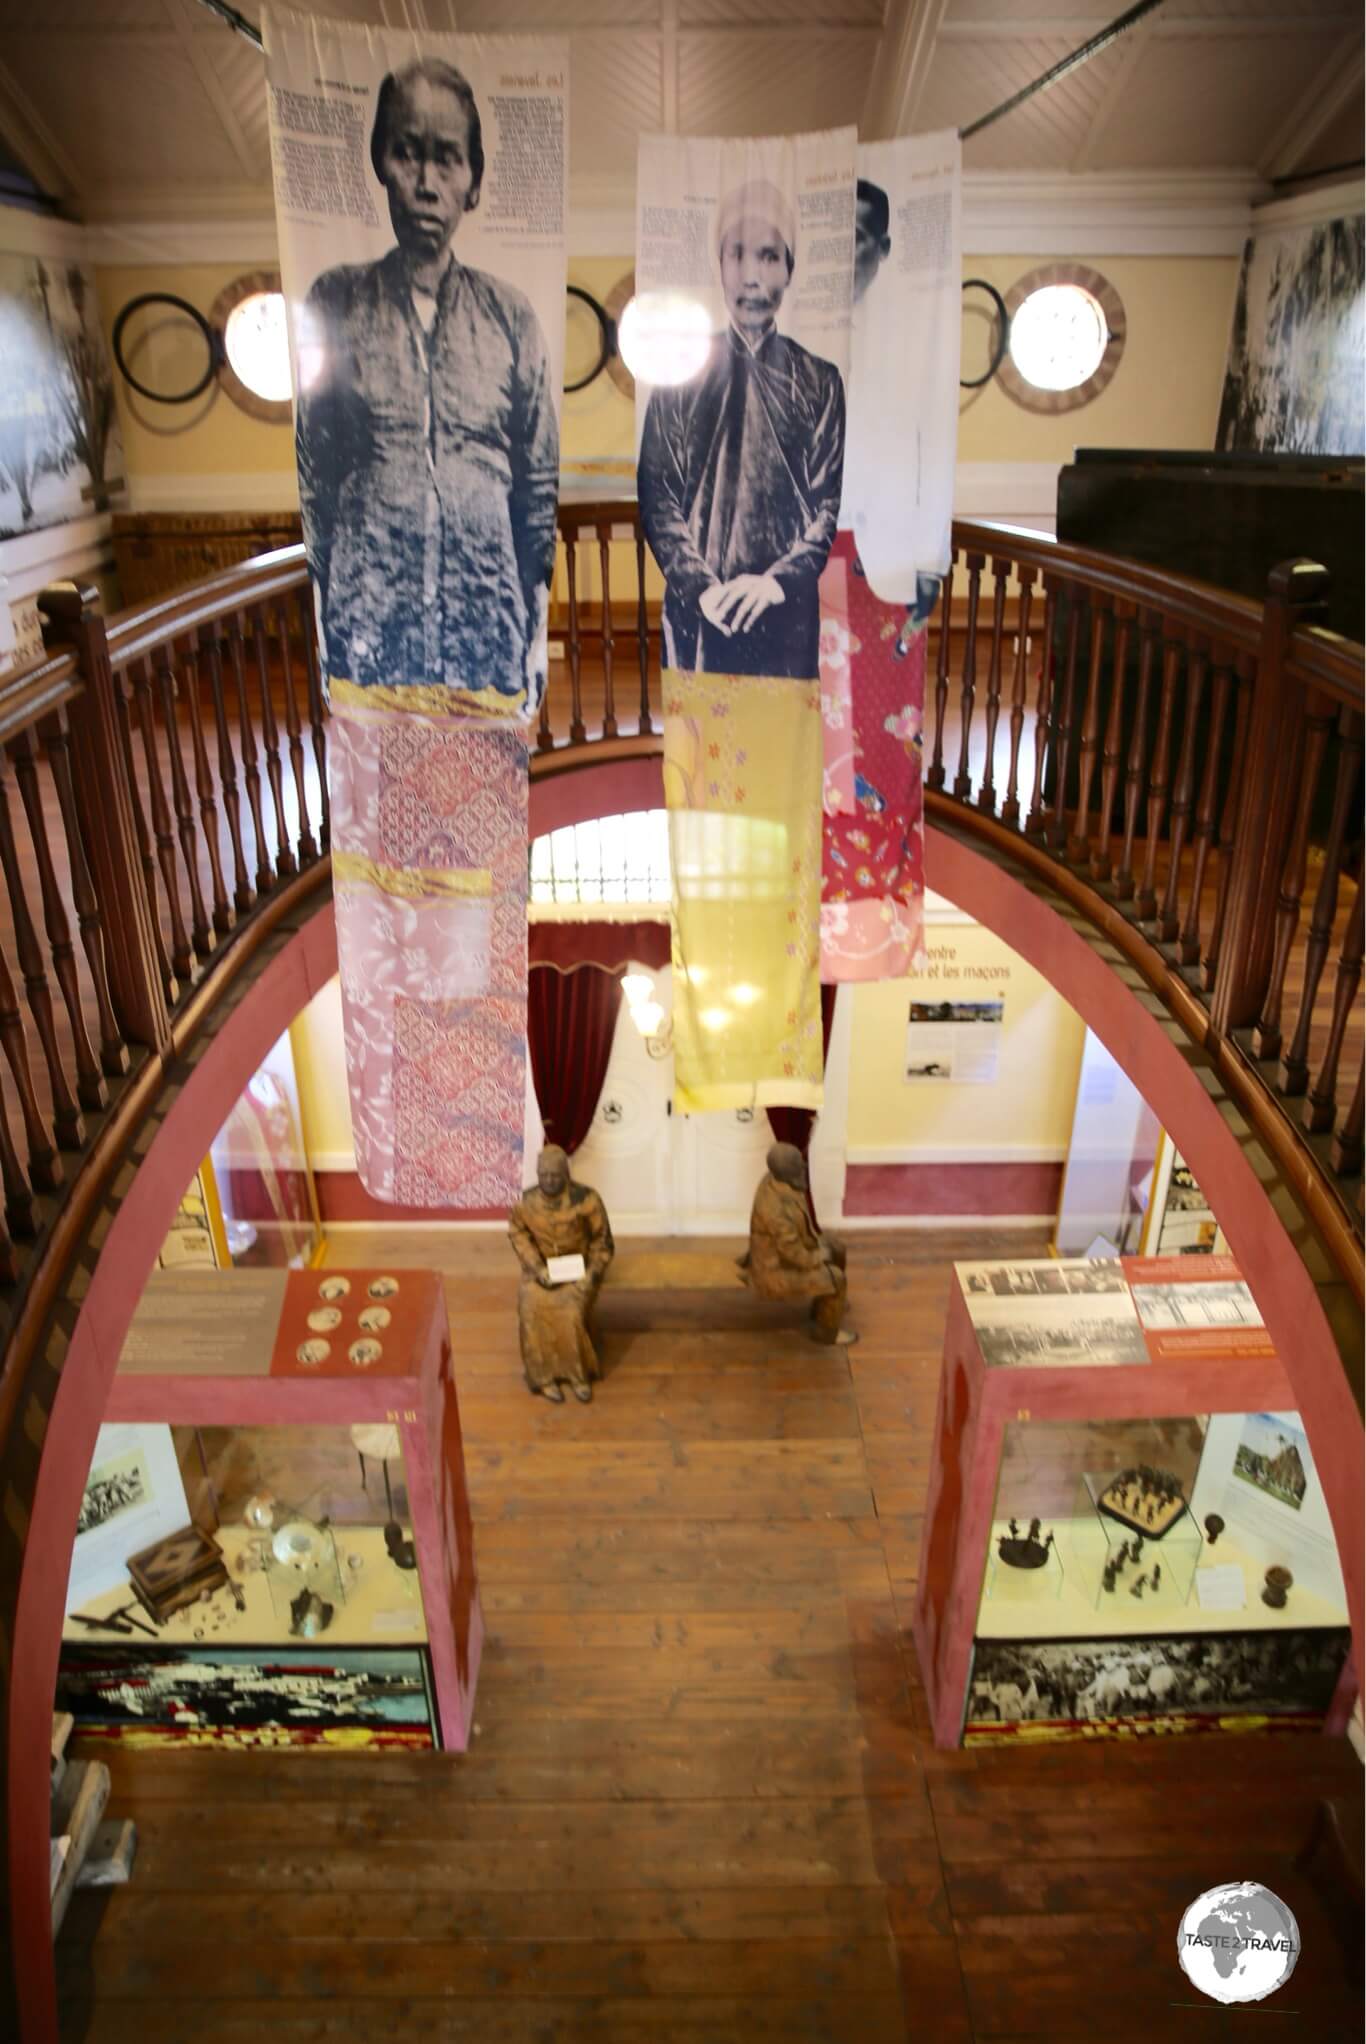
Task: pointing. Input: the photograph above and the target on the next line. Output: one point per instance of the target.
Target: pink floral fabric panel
(873, 841)
(429, 835)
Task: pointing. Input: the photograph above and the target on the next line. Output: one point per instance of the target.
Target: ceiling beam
(1228, 27)
(1115, 92)
(901, 67)
(668, 66)
(200, 58)
(34, 143)
(1323, 99)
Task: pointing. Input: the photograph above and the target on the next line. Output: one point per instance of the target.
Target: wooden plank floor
(701, 1803)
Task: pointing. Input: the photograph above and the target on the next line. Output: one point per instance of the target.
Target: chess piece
(1157, 1574)
(1034, 1529)
(1014, 1530)
(1277, 1587)
(556, 1217)
(1108, 1576)
(1214, 1526)
(1138, 1587)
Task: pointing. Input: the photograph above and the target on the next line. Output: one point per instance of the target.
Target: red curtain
(794, 1124)
(573, 997)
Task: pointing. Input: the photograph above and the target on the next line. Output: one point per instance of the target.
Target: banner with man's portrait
(744, 269)
(883, 579)
(420, 184)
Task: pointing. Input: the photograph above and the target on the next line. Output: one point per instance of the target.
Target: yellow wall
(1165, 394)
(1028, 1109)
(212, 436)
(320, 1066)
(1166, 391)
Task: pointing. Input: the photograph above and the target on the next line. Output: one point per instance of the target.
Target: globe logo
(1238, 1943)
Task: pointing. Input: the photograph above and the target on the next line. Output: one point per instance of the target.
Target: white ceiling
(153, 109)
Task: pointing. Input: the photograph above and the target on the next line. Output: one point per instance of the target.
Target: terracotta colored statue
(788, 1257)
(556, 1217)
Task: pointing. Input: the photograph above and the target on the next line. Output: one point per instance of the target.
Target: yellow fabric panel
(742, 783)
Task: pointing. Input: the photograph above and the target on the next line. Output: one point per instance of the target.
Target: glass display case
(274, 1541)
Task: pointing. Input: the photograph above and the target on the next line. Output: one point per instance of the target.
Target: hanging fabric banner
(420, 185)
(744, 264)
(883, 579)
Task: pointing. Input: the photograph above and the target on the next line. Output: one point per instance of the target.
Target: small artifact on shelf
(402, 1553)
(309, 1614)
(1027, 1551)
(1277, 1587)
(1108, 1575)
(1214, 1526)
(1137, 1588)
(1148, 1500)
(1157, 1575)
(176, 1571)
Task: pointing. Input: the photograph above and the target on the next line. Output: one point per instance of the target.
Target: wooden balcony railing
(1184, 763)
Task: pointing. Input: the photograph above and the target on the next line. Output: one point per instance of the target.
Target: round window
(1066, 337)
(255, 369)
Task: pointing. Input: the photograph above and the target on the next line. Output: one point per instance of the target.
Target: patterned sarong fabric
(429, 836)
(872, 709)
(742, 779)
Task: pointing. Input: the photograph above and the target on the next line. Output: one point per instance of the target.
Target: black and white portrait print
(429, 367)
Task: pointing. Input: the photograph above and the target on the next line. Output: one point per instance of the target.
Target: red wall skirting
(992, 1190)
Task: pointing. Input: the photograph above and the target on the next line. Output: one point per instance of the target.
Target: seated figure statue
(788, 1256)
(556, 1217)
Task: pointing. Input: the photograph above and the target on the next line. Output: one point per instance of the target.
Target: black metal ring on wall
(1003, 339)
(607, 336)
(211, 341)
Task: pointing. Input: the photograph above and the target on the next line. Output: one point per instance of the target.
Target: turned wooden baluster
(203, 785)
(1321, 1106)
(645, 727)
(1188, 948)
(574, 644)
(168, 690)
(1037, 820)
(285, 862)
(1183, 794)
(1345, 1151)
(935, 777)
(1078, 844)
(1294, 1075)
(242, 894)
(181, 959)
(962, 780)
(1150, 629)
(66, 1114)
(1112, 752)
(308, 633)
(90, 1087)
(1145, 901)
(251, 779)
(609, 699)
(124, 699)
(1064, 718)
(44, 1165)
(18, 1197)
(1228, 820)
(114, 1058)
(1306, 764)
(1010, 809)
(986, 799)
(9, 1262)
(308, 849)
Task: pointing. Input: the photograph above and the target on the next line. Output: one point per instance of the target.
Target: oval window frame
(1028, 395)
(271, 411)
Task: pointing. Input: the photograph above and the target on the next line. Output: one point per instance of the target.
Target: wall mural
(1293, 384)
(60, 453)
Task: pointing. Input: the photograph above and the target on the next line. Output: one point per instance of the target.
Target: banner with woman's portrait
(420, 184)
(744, 270)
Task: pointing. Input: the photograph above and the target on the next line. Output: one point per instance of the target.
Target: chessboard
(1147, 1501)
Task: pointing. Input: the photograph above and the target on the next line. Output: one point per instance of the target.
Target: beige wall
(1165, 394)
(1026, 1113)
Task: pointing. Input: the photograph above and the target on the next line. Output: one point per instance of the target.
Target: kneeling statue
(788, 1256)
(556, 1217)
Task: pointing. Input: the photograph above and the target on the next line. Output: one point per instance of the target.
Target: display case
(1124, 1528)
(274, 1542)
